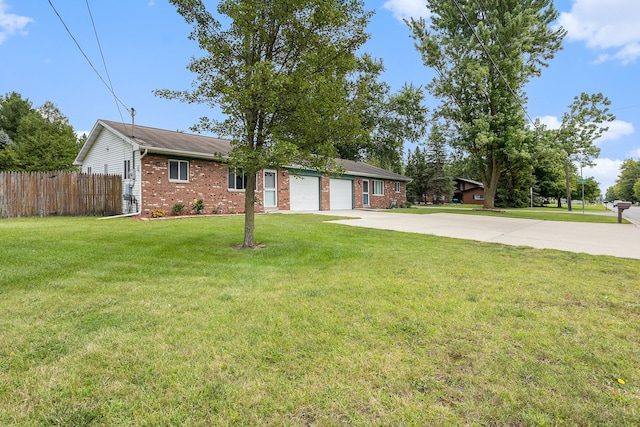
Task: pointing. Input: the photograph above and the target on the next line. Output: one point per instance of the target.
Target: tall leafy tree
(629, 175)
(611, 195)
(389, 119)
(581, 126)
(45, 141)
(484, 52)
(636, 189)
(277, 69)
(12, 109)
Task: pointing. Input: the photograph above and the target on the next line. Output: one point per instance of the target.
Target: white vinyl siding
(111, 151)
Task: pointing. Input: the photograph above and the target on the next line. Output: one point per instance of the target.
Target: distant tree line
(36, 139)
(627, 187)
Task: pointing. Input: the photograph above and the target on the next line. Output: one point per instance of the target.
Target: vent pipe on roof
(133, 122)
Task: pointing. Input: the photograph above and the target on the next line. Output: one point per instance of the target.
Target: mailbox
(622, 206)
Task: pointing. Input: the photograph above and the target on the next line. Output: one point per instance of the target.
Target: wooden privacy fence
(59, 193)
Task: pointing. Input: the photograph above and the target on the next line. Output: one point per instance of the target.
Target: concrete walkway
(619, 240)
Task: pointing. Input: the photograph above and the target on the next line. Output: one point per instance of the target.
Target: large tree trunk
(490, 186)
(568, 183)
(249, 211)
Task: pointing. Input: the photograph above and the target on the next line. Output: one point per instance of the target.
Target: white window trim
(127, 169)
(179, 162)
(398, 187)
(478, 197)
(373, 187)
(240, 190)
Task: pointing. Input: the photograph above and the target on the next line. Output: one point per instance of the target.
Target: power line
(104, 63)
(85, 56)
(486, 51)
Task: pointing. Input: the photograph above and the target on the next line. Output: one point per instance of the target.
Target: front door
(270, 189)
(365, 192)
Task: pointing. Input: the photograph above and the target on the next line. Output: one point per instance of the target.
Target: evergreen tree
(440, 185)
(417, 170)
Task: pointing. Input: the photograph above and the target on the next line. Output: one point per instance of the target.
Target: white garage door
(341, 194)
(304, 193)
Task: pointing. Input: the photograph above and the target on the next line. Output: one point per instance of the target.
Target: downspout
(139, 205)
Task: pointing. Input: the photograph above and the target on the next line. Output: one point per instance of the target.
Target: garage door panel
(304, 193)
(341, 194)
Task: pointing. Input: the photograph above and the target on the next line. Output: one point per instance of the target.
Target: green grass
(157, 323)
(541, 214)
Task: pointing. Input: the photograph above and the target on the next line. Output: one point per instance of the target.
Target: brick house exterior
(163, 168)
(469, 191)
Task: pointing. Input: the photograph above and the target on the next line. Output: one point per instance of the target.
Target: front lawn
(123, 322)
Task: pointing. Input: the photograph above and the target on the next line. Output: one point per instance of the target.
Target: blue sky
(145, 47)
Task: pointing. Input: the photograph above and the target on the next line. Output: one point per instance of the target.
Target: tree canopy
(39, 139)
(581, 126)
(484, 53)
(388, 119)
(277, 69)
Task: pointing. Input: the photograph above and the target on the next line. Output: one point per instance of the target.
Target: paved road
(620, 240)
(632, 214)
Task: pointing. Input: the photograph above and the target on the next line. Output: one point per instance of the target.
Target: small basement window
(179, 170)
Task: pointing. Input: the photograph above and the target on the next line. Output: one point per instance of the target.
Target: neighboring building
(161, 168)
(469, 191)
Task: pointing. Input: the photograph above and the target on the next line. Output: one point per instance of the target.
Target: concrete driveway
(619, 240)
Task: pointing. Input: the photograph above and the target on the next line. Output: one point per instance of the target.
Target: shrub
(157, 213)
(178, 209)
(198, 206)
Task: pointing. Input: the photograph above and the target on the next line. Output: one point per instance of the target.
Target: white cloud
(551, 122)
(11, 24)
(617, 128)
(151, 3)
(605, 172)
(634, 154)
(610, 26)
(405, 9)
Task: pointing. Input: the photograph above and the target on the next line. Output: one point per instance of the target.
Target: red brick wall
(380, 202)
(325, 195)
(284, 201)
(208, 180)
(467, 196)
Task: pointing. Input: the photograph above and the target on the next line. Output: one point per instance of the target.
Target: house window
(237, 179)
(106, 169)
(378, 187)
(127, 169)
(89, 169)
(178, 170)
(397, 187)
(478, 197)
